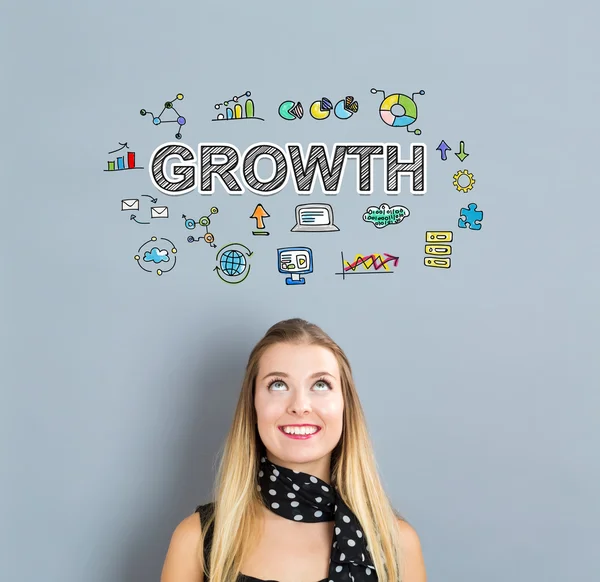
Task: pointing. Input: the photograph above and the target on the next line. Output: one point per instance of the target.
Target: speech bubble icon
(383, 215)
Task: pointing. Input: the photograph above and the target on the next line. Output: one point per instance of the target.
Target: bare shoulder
(414, 565)
(182, 563)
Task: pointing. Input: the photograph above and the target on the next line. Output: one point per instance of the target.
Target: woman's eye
(276, 383)
(320, 384)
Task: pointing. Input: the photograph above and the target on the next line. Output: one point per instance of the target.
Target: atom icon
(458, 176)
(168, 105)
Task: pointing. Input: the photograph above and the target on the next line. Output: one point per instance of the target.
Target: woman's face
(299, 384)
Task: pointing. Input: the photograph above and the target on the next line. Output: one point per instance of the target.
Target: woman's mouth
(302, 435)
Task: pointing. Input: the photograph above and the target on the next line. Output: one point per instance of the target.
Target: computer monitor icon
(314, 218)
(295, 261)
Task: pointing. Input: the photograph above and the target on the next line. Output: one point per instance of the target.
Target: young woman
(297, 497)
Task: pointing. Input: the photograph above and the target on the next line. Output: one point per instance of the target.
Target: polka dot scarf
(303, 497)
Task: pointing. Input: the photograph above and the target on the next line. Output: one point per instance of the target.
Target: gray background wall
(480, 382)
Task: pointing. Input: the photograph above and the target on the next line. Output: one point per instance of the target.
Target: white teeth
(300, 430)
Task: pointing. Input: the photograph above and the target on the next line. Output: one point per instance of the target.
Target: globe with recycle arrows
(233, 263)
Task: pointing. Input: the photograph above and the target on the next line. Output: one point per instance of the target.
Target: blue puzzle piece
(470, 216)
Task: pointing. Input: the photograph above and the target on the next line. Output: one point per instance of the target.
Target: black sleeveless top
(205, 511)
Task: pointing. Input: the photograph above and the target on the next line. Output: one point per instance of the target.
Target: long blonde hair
(354, 471)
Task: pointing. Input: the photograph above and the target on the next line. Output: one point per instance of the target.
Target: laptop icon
(314, 218)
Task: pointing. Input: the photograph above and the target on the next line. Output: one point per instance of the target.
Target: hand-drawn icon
(461, 154)
(289, 110)
(120, 164)
(159, 212)
(259, 215)
(443, 148)
(470, 216)
(463, 187)
(295, 262)
(129, 205)
(157, 256)
(168, 105)
(375, 264)
(436, 247)
(154, 200)
(398, 110)
(321, 109)
(383, 215)
(237, 112)
(232, 263)
(346, 108)
(204, 221)
(132, 217)
(314, 217)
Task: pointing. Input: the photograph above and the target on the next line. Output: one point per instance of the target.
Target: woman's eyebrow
(284, 375)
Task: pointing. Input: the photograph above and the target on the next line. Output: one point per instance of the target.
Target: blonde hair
(354, 471)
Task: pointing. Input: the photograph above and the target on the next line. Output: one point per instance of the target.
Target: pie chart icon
(321, 109)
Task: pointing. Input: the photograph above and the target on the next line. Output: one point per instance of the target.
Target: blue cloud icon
(156, 256)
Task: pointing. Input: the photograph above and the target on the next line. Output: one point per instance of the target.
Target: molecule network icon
(399, 110)
(204, 221)
(168, 105)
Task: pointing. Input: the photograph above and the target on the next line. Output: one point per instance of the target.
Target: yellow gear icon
(470, 183)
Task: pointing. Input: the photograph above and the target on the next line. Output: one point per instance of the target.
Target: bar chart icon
(234, 109)
(438, 249)
(122, 162)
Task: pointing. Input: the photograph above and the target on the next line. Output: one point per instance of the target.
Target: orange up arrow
(258, 214)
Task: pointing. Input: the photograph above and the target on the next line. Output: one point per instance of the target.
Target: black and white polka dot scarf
(303, 497)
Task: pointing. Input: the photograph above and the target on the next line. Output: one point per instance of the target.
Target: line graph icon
(234, 110)
(180, 120)
(374, 264)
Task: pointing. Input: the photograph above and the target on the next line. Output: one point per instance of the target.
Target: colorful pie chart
(409, 106)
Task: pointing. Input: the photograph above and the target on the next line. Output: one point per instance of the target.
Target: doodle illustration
(314, 217)
(159, 212)
(372, 264)
(289, 110)
(204, 221)
(259, 215)
(120, 162)
(130, 205)
(438, 248)
(232, 263)
(461, 154)
(346, 108)
(467, 184)
(295, 262)
(156, 256)
(398, 110)
(168, 105)
(443, 148)
(383, 215)
(133, 217)
(234, 110)
(470, 216)
(321, 109)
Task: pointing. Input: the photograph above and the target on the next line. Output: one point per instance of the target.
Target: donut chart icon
(397, 101)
